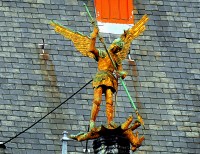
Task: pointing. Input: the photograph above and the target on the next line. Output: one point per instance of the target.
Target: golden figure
(105, 80)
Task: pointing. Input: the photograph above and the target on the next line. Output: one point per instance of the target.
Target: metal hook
(42, 46)
(129, 58)
(43, 54)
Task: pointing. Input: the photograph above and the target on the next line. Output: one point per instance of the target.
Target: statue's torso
(105, 64)
(105, 77)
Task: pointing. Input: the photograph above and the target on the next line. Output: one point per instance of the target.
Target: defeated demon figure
(105, 80)
(125, 129)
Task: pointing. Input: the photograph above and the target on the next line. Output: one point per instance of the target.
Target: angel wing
(130, 35)
(81, 42)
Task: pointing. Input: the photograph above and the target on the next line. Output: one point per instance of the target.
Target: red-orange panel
(105, 9)
(130, 11)
(98, 9)
(114, 10)
(123, 9)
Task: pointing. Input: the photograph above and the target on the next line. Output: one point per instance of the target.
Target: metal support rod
(64, 142)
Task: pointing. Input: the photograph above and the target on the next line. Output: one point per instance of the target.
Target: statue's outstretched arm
(92, 47)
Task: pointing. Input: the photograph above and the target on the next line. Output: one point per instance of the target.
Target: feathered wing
(130, 35)
(81, 42)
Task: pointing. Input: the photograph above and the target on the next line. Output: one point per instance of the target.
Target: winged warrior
(106, 78)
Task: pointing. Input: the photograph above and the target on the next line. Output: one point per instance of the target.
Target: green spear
(121, 80)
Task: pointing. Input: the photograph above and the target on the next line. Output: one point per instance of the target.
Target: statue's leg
(109, 107)
(95, 106)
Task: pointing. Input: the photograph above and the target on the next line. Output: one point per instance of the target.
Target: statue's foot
(72, 136)
(133, 148)
(92, 125)
(112, 125)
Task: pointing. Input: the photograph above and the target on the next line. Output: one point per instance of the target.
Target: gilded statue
(109, 63)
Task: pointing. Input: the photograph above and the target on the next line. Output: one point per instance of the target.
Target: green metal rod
(88, 12)
(128, 94)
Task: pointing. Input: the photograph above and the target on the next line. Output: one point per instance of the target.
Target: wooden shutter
(114, 11)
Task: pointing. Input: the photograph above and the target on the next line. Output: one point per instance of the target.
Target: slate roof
(166, 88)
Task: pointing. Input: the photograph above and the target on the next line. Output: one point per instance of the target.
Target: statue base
(111, 143)
(102, 133)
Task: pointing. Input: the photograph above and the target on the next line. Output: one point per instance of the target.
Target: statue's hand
(95, 32)
(121, 74)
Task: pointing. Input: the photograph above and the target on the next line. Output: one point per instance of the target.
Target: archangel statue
(109, 63)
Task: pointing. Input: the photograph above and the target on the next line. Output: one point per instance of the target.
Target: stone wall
(165, 83)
